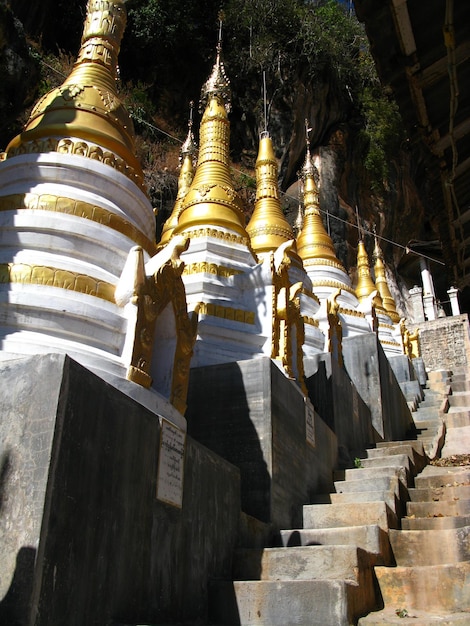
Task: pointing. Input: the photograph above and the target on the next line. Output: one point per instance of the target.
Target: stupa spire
(212, 201)
(187, 161)
(267, 228)
(382, 285)
(313, 243)
(84, 115)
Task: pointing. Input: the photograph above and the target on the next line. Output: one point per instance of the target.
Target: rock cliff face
(395, 209)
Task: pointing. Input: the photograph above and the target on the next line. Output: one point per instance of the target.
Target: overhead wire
(328, 215)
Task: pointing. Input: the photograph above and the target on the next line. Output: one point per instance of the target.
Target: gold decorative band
(332, 283)
(351, 312)
(210, 268)
(80, 148)
(78, 208)
(395, 344)
(310, 321)
(226, 312)
(218, 234)
(54, 277)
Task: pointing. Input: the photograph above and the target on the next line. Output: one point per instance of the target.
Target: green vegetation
(301, 45)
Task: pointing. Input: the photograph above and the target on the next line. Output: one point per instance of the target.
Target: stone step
(458, 377)
(370, 538)
(446, 477)
(393, 617)
(460, 399)
(389, 496)
(462, 384)
(434, 523)
(443, 508)
(301, 563)
(392, 461)
(349, 514)
(380, 483)
(434, 494)
(430, 547)
(457, 418)
(429, 588)
(288, 603)
(438, 376)
(457, 441)
(365, 473)
(414, 449)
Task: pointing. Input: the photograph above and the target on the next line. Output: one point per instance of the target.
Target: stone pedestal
(370, 371)
(83, 538)
(250, 414)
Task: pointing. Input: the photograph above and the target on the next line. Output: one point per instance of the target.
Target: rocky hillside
(317, 67)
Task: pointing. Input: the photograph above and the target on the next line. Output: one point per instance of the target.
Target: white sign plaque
(171, 464)
(310, 423)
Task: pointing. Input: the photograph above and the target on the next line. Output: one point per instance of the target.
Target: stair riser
(434, 523)
(443, 588)
(445, 546)
(306, 563)
(369, 538)
(291, 603)
(438, 509)
(439, 493)
(349, 514)
(450, 479)
(461, 399)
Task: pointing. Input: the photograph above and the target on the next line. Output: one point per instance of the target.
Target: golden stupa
(267, 228)
(365, 285)
(187, 161)
(382, 285)
(314, 245)
(212, 201)
(84, 116)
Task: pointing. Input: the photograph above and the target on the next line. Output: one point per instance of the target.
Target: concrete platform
(442, 508)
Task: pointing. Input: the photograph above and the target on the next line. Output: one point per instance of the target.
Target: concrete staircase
(323, 574)
(353, 556)
(431, 581)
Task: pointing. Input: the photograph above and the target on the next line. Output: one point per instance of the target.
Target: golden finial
(382, 285)
(267, 228)
(313, 241)
(212, 200)
(84, 115)
(187, 164)
(218, 83)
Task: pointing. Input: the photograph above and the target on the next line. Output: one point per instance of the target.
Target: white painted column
(416, 295)
(454, 300)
